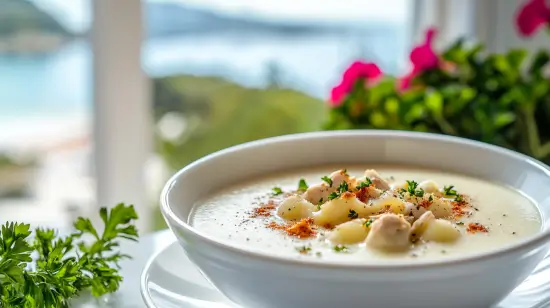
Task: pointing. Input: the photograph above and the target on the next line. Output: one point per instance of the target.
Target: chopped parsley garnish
(340, 248)
(303, 249)
(333, 195)
(460, 223)
(419, 192)
(343, 187)
(366, 183)
(353, 214)
(368, 223)
(431, 198)
(449, 191)
(411, 186)
(302, 185)
(277, 191)
(319, 203)
(327, 180)
(413, 190)
(459, 198)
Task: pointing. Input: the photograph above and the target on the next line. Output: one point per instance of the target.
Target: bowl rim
(535, 240)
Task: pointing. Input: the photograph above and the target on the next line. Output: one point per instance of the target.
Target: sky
(76, 14)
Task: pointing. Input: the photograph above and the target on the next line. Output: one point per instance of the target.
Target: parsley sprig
(366, 183)
(327, 180)
(302, 185)
(449, 191)
(275, 191)
(64, 266)
(353, 214)
(341, 189)
(413, 190)
(368, 223)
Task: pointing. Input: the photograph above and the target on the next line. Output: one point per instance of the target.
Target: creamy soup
(364, 214)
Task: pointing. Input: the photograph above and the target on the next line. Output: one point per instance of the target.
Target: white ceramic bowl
(256, 280)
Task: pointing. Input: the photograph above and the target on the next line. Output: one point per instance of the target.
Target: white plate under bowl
(171, 280)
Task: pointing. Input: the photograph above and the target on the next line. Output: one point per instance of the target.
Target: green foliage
(502, 99)
(62, 270)
(221, 114)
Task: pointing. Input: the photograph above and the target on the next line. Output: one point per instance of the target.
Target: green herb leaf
(302, 185)
(368, 222)
(333, 195)
(62, 269)
(449, 191)
(459, 198)
(303, 249)
(366, 183)
(277, 191)
(340, 248)
(327, 180)
(343, 187)
(353, 214)
(411, 187)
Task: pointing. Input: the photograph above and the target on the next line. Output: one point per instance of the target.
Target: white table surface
(128, 295)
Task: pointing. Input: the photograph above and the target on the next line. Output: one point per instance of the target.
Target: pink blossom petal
(532, 16)
(360, 69)
(338, 94)
(423, 56)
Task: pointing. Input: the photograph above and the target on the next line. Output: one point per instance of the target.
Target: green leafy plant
(63, 267)
(503, 98)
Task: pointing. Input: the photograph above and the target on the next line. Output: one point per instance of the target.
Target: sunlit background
(221, 73)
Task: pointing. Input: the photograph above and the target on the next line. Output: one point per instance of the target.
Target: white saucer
(170, 280)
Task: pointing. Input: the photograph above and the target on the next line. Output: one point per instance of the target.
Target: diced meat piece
(389, 232)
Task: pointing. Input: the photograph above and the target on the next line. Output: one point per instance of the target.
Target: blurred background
(101, 100)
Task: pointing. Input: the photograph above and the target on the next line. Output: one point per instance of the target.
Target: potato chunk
(295, 208)
(440, 230)
(429, 186)
(350, 232)
(340, 210)
(387, 202)
(389, 232)
(420, 225)
(441, 208)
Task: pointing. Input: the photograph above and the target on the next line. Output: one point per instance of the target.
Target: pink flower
(338, 94)
(532, 16)
(423, 58)
(358, 69)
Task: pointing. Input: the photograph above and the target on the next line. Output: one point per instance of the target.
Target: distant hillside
(176, 19)
(25, 29)
(21, 16)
